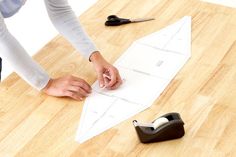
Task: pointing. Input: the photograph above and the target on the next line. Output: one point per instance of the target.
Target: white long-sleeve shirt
(65, 21)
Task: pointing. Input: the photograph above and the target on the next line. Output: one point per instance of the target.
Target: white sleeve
(22, 63)
(66, 22)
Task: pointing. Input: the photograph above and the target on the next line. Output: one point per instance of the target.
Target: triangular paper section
(146, 67)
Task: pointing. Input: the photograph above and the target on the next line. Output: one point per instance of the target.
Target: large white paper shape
(147, 67)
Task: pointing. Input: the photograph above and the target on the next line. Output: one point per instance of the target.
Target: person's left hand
(108, 75)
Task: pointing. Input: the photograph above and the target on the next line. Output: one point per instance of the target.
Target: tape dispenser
(167, 127)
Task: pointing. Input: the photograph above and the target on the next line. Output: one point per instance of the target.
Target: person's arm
(66, 22)
(12, 51)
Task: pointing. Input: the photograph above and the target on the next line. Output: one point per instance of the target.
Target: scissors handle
(114, 20)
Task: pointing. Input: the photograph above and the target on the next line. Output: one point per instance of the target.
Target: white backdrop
(32, 27)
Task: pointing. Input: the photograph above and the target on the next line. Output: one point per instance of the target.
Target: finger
(101, 79)
(106, 80)
(83, 84)
(116, 85)
(118, 82)
(73, 95)
(79, 91)
(118, 77)
(113, 76)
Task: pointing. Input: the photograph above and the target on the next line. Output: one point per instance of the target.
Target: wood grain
(33, 124)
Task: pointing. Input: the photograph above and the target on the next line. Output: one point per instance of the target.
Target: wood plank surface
(33, 124)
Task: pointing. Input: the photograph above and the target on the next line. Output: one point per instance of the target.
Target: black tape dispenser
(167, 127)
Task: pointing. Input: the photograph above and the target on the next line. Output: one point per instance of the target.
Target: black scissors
(114, 20)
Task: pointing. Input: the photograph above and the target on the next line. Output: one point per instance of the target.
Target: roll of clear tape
(159, 122)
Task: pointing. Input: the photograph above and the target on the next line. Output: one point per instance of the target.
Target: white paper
(160, 63)
(146, 67)
(137, 87)
(175, 38)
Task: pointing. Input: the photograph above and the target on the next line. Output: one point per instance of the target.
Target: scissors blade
(141, 20)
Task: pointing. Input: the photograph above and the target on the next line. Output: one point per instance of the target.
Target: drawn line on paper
(162, 49)
(167, 43)
(172, 37)
(142, 72)
(99, 118)
(117, 97)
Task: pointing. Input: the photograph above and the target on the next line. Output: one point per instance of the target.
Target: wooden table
(204, 92)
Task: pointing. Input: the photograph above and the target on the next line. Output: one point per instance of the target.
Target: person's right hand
(68, 86)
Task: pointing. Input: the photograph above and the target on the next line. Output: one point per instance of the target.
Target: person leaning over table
(65, 21)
